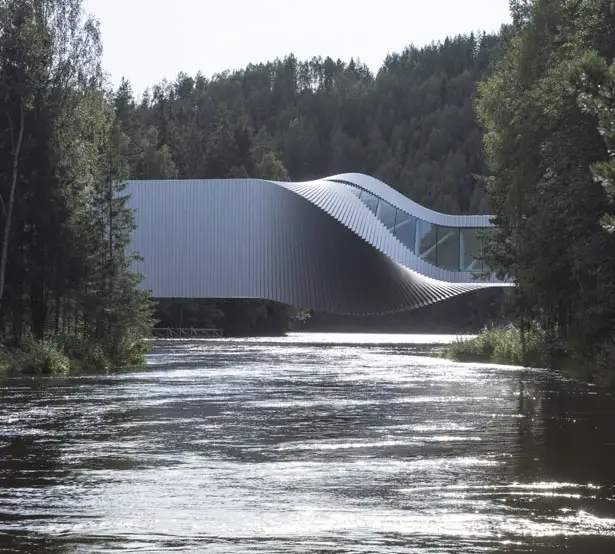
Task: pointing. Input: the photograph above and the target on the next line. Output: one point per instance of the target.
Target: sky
(149, 40)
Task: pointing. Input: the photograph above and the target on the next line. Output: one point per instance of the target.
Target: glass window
(448, 248)
(386, 214)
(370, 201)
(428, 244)
(405, 229)
(470, 247)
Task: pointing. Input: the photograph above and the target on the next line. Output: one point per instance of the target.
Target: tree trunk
(111, 260)
(522, 329)
(65, 314)
(76, 318)
(57, 312)
(38, 301)
(18, 312)
(9, 210)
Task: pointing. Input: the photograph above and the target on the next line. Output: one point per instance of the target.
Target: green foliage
(413, 124)
(548, 114)
(270, 167)
(64, 158)
(236, 317)
(130, 315)
(85, 351)
(595, 80)
(66, 353)
(506, 345)
(41, 357)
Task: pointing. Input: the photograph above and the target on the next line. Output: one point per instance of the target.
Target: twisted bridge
(346, 244)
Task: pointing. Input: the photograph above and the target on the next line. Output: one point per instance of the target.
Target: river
(309, 443)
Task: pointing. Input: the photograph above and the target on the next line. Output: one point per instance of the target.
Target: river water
(310, 443)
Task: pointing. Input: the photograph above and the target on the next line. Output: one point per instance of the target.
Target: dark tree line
(549, 111)
(412, 125)
(64, 266)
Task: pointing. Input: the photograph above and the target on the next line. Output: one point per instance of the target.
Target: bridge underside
(313, 245)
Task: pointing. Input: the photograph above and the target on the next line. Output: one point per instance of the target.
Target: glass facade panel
(451, 248)
(369, 200)
(428, 244)
(405, 229)
(470, 247)
(386, 214)
(448, 248)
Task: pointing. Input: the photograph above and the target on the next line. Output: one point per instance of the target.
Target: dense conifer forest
(549, 115)
(518, 124)
(412, 125)
(64, 266)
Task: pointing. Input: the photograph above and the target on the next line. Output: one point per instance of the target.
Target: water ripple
(311, 443)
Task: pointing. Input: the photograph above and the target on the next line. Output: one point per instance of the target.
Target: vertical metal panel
(311, 244)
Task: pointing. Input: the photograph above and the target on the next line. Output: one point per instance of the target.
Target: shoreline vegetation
(505, 345)
(534, 348)
(548, 114)
(66, 354)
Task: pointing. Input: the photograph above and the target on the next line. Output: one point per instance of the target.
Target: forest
(71, 141)
(413, 125)
(548, 111)
(518, 124)
(66, 289)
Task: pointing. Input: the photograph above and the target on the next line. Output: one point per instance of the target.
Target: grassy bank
(67, 354)
(505, 346)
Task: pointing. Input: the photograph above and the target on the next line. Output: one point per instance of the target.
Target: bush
(7, 359)
(126, 352)
(85, 350)
(69, 352)
(504, 346)
(96, 354)
(40, 357)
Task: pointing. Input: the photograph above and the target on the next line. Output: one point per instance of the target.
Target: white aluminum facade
(346, 244)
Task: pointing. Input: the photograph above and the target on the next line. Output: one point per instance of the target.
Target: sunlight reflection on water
(309, 443)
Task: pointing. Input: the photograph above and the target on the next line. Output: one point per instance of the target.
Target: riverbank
(67, 354)
(538, 350)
